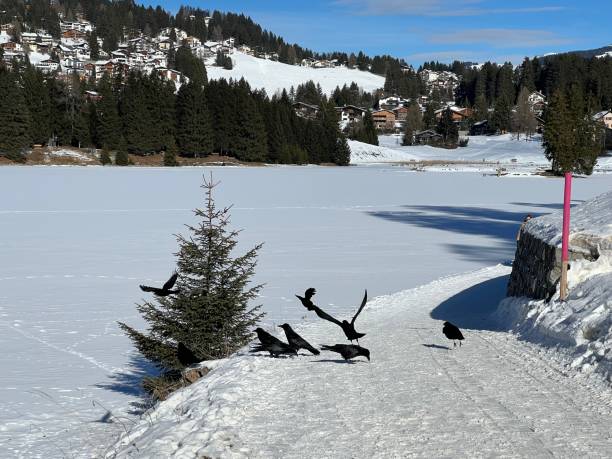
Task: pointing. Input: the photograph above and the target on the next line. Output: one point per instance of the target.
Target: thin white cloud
(435, 7)
(500, 38)
(463, 55)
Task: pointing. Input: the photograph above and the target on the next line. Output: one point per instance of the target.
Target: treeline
(143, 114)
(491, 82)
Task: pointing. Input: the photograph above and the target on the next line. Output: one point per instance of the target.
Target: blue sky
(419, 30)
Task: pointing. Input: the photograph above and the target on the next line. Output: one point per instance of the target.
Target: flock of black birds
(295, 342)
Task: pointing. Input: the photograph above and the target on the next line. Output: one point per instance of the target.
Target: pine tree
(108, 122)
(170, 157)
(447, 128)
(342, 152)
(211, 314)
(94, 47)
(414, 123)
(250, 140)
(523, 119)
(105, 158)
(122, 158)
(15, 119)
(429, 117)
(369, 130)
(194, 134)
(39, 104)
(571, 137)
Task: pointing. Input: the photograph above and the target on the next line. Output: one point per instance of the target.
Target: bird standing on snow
(452, 332)
(271, 344)
(306, 299)
(296, 341)
(348, 351)
(185, 355)
(347, 327)
(165, 290)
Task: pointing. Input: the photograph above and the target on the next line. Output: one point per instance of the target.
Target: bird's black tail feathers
(314, 350)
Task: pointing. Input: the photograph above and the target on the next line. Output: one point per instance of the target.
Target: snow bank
(503, 148)
(69, 154)
(276, 76)
(364, 153)
(584, 321)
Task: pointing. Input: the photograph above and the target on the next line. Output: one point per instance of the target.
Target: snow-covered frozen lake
(76, 242)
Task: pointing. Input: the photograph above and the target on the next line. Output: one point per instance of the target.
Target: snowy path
(496, 396)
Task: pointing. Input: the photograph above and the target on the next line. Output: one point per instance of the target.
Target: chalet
(401, 113)
(459, 114)
(9, 56)
(351, 113)
(80, 26)
(28, 38)
(165, 44)
(92, 96)
(170, 74)
(12, 47)
(305, 110)
(192, 42)
(74, 34)
(47, 66)
(537, 101)
(384, 120)
(480, 128)
(605, 118)
(137, 44)
(427, 137)
(391, 103)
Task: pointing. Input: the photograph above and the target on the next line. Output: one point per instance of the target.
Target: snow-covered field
(77, 242)
(275, 76)
(517, 156)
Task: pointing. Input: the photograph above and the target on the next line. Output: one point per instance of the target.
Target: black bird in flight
(186, 355)
(271, 344)
(347, 327)
(296, 341)
(348, 351)
(306, 299)
(165, 290)
(452, 332)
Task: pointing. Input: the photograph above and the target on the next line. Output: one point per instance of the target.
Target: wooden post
(567, 198)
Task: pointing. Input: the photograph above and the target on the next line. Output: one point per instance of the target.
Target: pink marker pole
(565, 242)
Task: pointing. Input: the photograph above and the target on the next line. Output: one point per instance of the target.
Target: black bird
(271, 344)
(165, 290)
(186, 355)
(348, 328)
(452, 332)
(296, 341)
(348, 351)
(306, 299)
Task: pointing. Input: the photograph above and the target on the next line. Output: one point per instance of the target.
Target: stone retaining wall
(537, 266)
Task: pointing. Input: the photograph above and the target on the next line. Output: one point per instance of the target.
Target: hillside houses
(604, 117)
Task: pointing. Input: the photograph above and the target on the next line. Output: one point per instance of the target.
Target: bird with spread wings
(347, 327)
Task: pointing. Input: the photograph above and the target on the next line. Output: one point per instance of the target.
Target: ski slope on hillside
(275, 76)
(495, 396)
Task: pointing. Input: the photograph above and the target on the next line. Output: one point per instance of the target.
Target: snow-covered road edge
(209, 417)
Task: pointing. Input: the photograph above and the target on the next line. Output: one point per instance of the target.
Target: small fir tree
(211, 313)
(122, 158)
(448, 128)
(170, 156)
(105, 158)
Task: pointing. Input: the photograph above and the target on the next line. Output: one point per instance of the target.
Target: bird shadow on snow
(437, 346)
(501, 225)
(473, 307)
(349, 362)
